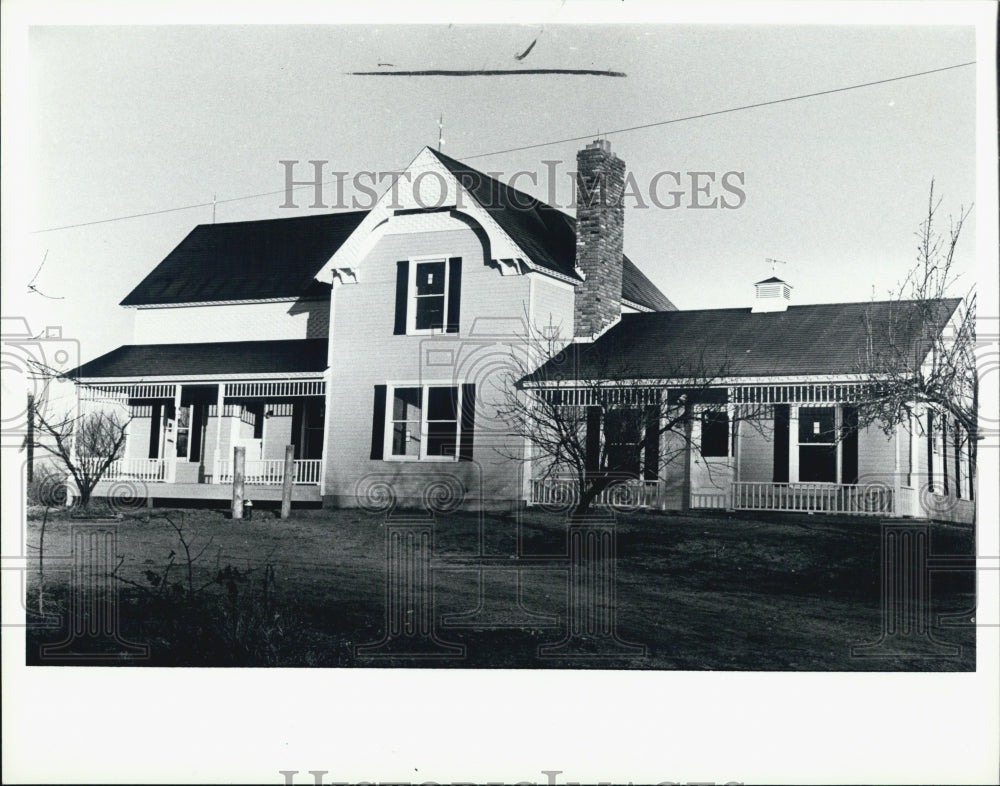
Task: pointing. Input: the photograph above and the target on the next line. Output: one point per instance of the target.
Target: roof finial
(213, 208)
(440, 131)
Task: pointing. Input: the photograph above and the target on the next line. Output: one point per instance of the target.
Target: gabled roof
(280, 257)
(826, 339)
(247, 260)
(546, 234)
(231, 357)
(772, 280)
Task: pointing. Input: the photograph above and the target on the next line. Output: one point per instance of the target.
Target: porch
(870, 500)
(182, 435)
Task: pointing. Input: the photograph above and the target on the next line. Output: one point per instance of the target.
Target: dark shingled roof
(546, 234)
(247, 260)
(826, 338)
(231, 357)
(279, 257)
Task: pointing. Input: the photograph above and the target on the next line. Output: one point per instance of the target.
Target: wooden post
(239, 465)
(287, 479)
(30, 439)
(688, 453)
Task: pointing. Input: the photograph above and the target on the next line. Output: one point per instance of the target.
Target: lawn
(691, 593)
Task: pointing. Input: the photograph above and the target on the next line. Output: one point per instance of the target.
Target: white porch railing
(267, 472)
(814, 498)
(710, 499)
(563, 493)
(145, 469)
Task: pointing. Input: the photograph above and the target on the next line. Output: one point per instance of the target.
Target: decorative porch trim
(589, 397)
(269, 389)
(90, 392)
(822, 393)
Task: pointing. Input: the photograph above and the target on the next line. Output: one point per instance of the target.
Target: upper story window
(428, 295)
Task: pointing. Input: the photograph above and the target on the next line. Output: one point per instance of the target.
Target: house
(372, 341)
(362, 338)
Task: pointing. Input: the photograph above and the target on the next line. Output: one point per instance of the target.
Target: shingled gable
(280, 258)
(546, 234)
(824, 339)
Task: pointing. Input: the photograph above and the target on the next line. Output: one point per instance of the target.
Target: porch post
(172, 466)
(793, 443)
(219, 404)
(734, 414)
(897, 478)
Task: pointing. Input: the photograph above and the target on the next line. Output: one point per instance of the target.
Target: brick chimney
(600, 224)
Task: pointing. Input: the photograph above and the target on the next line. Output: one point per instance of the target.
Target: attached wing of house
(776, 394)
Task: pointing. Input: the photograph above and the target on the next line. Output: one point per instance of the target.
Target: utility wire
(536, 145)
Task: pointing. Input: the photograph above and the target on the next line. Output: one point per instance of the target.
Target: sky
(137, 119)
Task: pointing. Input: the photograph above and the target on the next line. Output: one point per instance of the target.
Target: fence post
(287, 479)
(239, 464)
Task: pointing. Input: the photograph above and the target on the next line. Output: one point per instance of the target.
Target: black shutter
(849, 447)
(468, 424)
(378, 423)
(782, 416)
(651, 444)
(154, 431)
(944, 452)
(402, 285)
(593, 440)
(958, 460)
(930, 452)
(454, 294)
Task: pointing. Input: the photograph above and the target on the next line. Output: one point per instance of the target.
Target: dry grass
(697, 592)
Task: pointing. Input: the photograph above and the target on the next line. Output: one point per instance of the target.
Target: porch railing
(146, 470)
(267, 472)
(814, 498)
(563, 493)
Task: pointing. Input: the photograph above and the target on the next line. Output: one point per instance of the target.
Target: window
(715, 434)
(424, 422)
(817, 445)
(428, 295)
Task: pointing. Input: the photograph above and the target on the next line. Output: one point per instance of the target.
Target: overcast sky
(129, 120)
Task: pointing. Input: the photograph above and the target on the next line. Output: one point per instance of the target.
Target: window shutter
(944, 454)
(454, 294)
(593, 437)
(651, 444)
(378, 423)
(849, 447)
(468, 424)
(930, 451)
(782, 417)
(402, 285)
(154, 431)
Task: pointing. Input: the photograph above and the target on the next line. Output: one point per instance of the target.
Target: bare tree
(611, 424)
(920, 352)
(84, 445)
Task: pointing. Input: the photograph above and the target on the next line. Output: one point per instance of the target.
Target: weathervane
(773, 262)
(440, 131)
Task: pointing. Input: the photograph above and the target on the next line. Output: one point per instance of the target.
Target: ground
(692, 592)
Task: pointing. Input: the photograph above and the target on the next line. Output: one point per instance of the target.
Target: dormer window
(428, 295)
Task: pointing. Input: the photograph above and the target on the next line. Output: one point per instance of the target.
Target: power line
(535, 145)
